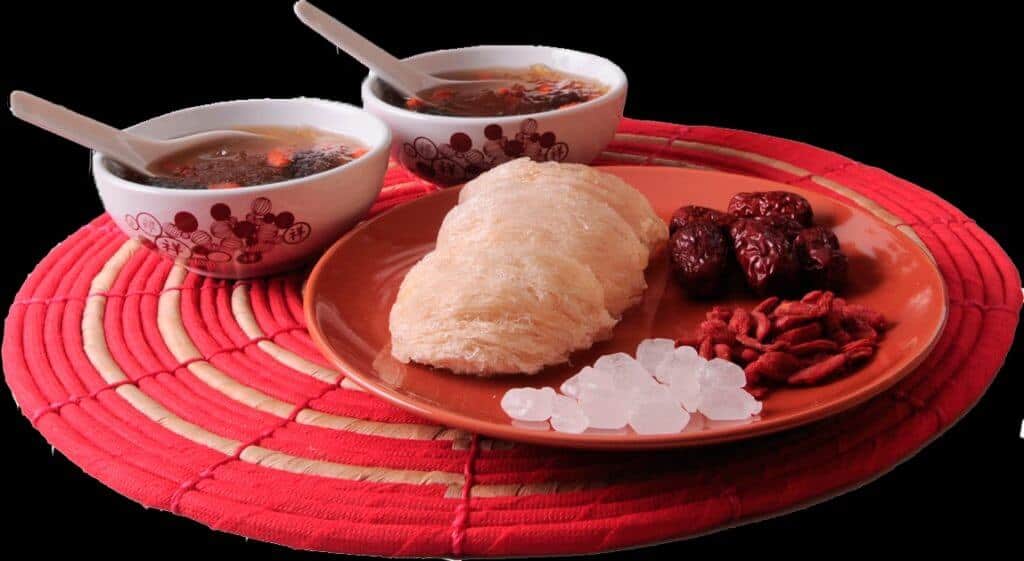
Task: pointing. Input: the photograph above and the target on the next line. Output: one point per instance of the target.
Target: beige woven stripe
(731, 152)
(241, 309)
(172, 329)
(99, 355)
(96, 350)
(284, 462)
(638, 159)
(621, 157)
(484, 491)
(874, 208)
(678, 163)
(246, 319)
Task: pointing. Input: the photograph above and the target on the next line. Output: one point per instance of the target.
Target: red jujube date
(700, 257)
(765, 256)
(823, 264)
(785, 225)
(771, 203)
(694, 213)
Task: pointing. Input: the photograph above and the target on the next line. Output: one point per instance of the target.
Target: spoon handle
(397, 73)
(76, 127)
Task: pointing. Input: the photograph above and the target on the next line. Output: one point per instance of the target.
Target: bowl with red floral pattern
(257, 230)
(549, 104)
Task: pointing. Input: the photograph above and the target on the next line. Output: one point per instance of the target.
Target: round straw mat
(208, 399)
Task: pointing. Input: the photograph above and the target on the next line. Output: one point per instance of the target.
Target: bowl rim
(101, 173)
(615, 91)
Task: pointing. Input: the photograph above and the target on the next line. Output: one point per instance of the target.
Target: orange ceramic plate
(350, 292)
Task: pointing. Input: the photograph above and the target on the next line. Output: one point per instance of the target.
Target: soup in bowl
(273, 154)
(263, 208)
(561, 105)
(497, 92)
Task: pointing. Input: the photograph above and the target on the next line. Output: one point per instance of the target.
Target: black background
(924, 96)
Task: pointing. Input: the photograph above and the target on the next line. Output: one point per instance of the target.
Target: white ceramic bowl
(259, 230)
(450, 150)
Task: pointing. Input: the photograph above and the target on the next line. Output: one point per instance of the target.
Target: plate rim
(615, 442)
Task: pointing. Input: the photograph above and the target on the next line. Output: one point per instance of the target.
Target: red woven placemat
(208, 399)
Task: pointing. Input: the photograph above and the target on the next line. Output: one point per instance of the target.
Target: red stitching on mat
(735, 505)
(938, 222)
(207, 472)
(917, 404)
(58, 405)
(69, 298)
(821, 173)
(664, 151)
(460, 522)
(253, 341)
(905, 397)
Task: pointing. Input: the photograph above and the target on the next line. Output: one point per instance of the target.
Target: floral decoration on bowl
(458, 160)
(229, 238)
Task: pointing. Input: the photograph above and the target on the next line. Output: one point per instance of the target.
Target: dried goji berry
(717, 330)
(762, 325)
(859, 329)
(278, 158)
(773, 365)
(751, 343)
(819, 371)
(812, 296)
(817, 346)
(860, 353)
(723, 351)
(858, 344)
(801, 334)
(785, 323)
(833, 322)
(865, 314)
(740, 323)
(723, 313)
(823, 303)
(706, 350)
(799, 342)
(767, 305)
(797, 308)
(748, 355)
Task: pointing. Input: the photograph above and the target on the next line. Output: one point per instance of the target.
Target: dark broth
(533, 90)
(286, 153)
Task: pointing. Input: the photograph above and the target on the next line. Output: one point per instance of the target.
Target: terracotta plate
(350, 292)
